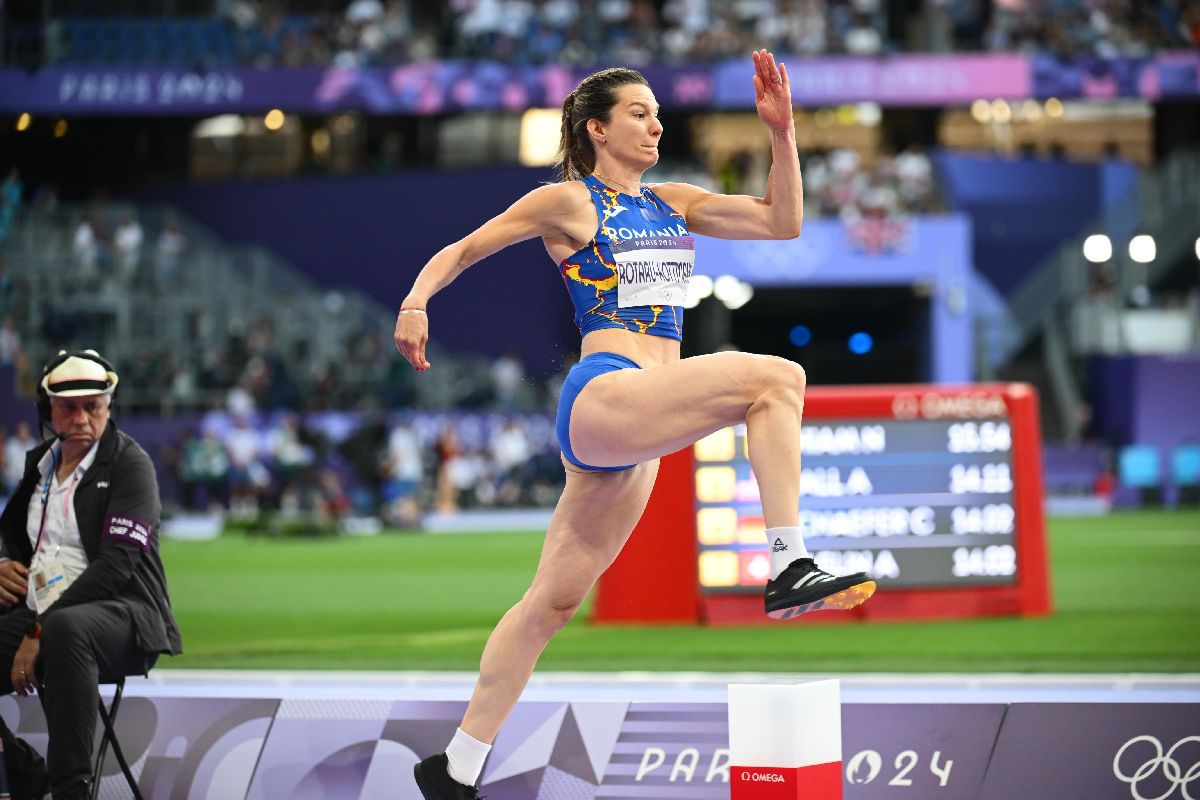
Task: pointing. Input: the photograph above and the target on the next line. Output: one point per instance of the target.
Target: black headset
(43, 396)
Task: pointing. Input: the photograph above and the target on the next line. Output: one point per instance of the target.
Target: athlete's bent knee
(549, 618)
(782, 381)
(790, 375)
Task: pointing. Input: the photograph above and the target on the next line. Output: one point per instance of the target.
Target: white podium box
(785, 741)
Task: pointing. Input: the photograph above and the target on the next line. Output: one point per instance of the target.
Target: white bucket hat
(77, 376)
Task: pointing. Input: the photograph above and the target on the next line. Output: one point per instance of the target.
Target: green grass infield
(1126, 599)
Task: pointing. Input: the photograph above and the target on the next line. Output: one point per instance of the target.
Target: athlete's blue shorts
(588, 367)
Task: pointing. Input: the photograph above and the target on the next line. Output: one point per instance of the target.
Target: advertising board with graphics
(271, 749)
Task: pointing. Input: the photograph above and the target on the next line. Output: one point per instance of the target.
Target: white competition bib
(653, 270)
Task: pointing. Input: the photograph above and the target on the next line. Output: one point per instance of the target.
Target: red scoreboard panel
(934, 491)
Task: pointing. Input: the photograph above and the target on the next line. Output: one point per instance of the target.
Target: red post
(654, 579)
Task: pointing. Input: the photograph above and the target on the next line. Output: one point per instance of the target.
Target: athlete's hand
(412, 332)
(772, 92)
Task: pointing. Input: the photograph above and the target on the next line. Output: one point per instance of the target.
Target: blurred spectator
(363, 450)
(511, 452)
(15, 448)
(244, 14)
(11, 190)
(914, 172)
(45, 198)
(448, 453)
(509, 447)
(248, 478)
(862, 39)
(239, 401)
(168, 250)
(333, 501)
(508, 373)
(127, 247)
(86, 246)
(361, 12)
(10, 342)
(204, 468)
(8, 290)
(290, 457)
(10, 201)
(402, 470)
(808, 34)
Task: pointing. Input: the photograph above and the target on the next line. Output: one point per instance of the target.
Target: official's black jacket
(119, 514)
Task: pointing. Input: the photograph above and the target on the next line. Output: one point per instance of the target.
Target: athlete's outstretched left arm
(779, 213)
(539, 213)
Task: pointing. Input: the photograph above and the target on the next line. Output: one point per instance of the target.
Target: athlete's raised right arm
(541, 212)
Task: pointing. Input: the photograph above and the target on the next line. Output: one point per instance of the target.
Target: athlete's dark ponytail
(592, 99)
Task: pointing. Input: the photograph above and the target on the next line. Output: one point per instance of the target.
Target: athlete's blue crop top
(634, 272)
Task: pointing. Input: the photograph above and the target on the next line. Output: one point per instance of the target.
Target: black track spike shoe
(804, 587)
(435, 782)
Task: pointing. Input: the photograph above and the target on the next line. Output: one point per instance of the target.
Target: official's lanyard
(67, 495)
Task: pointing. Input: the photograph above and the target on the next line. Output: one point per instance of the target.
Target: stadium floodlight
(222, 126)
(1097, 248)
(981, 110)
(1142, 248)
(1031, 110)
(1001, 111)
(732, 292)
(869, 113)
(540, 132)
(274, 120)
(745, 292)
(1054, 107)
(861, 343)
(700, 287)
(1198, 247)
(800, 335)
(24, 121)
(320, 142)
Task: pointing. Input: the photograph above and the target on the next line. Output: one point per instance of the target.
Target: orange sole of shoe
(842, 601)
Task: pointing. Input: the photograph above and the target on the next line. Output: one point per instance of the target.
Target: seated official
(81, 582)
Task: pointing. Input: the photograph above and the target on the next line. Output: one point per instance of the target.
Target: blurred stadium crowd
(245, 364)
(584, 32)
(317, 469)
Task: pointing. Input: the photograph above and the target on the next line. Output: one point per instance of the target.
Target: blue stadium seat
(1185, 465)
(1139, 466)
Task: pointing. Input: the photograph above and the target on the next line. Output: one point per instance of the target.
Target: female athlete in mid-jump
(625, 252)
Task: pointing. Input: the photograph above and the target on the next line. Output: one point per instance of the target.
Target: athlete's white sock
(787, 544)
(466, 755)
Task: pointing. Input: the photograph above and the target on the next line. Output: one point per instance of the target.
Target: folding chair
(108, 735)
(108, 718)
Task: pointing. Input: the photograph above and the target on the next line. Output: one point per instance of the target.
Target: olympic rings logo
(1171, 768)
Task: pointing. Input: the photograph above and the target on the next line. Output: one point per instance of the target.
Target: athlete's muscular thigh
(593, 519)
(633, 415)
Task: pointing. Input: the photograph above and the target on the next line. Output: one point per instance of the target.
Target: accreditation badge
(49, 581)
(654, 270)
